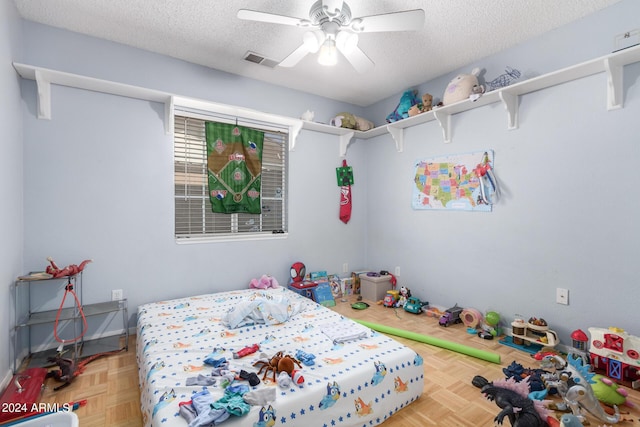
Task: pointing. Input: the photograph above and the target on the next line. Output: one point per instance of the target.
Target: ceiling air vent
(259, 59)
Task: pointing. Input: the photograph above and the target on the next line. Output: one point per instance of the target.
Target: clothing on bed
(354, 380)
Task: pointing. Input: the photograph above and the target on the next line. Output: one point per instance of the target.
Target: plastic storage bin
(374, 288)
(53, 419)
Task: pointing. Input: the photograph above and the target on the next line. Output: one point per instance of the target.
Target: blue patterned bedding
(359, 377)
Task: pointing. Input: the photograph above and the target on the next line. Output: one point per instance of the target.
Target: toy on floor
(534, 331)
(533, 375)
(615, 353)
(512, 398)
(391, 298)
(490, 325)
(451, 316)
(573, 381)
(264, 282)
(608, 392)
(405, 293)
(68, 369)
(449, 345)
(414, 305)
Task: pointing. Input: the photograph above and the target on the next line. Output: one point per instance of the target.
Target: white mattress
(360, 382)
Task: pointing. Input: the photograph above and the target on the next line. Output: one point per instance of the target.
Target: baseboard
(6, 379)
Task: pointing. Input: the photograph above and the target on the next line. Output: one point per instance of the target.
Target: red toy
(298, 271)
(69, 270)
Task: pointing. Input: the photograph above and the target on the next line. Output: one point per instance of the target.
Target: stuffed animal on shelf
(461, 87)
(422, 107)
(409, 99)
(351, 121)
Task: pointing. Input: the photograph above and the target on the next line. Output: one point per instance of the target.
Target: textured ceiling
(207, 32)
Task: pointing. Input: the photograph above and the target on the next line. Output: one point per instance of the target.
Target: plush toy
(264, 282)
(405, 293)
(70, 270)
(409, 99)
(422, 107)
(461, 87)
(351, 121)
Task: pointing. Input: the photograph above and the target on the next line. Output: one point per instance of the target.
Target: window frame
(201, 110)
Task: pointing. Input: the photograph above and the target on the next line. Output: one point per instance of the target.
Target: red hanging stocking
(345, 200)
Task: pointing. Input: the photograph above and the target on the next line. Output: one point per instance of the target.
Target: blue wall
(568, 216)
(11, 187)
(98, 183)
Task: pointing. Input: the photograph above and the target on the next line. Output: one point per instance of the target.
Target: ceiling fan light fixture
(313, 40)
(346, 42)
(328, 53)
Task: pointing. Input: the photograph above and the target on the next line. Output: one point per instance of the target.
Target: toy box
(50, 419)
(374, 288)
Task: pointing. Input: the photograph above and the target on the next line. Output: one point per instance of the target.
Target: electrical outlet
(562, 296)
(116, 295)
(397, 272)
(345, 267)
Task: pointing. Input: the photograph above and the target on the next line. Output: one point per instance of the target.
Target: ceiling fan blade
(358, 59)
(295, 56)
(272, 18)
(408, 20)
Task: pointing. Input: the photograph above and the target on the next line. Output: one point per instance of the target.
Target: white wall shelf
(45, 77)
(612, 64)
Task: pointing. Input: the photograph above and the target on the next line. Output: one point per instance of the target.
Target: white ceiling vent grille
(259, 59)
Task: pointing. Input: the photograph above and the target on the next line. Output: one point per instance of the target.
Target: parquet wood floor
(110, 384)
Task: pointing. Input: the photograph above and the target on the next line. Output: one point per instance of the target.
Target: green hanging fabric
(234, 163)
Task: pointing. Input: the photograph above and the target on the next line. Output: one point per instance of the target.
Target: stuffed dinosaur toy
(409, 99)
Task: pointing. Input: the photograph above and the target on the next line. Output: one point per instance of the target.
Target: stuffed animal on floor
(409, 99)
(65, 373)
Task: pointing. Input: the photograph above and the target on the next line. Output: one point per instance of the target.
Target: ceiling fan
(332, 28)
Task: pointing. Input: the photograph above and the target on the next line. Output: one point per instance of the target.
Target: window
(194, 220)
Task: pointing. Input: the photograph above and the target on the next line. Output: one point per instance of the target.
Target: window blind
(193, 216)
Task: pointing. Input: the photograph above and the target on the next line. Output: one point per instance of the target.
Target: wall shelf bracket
(398, 136)
(44, 95)
(345, 139)
(444, 119)
(169, 115)
(615, 77)
(510, 102)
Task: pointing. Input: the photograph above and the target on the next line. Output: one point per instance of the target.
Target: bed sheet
(359, 382)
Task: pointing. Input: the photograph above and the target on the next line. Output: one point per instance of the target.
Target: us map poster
(451, 182)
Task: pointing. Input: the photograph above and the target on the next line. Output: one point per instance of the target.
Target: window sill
(230, 238)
